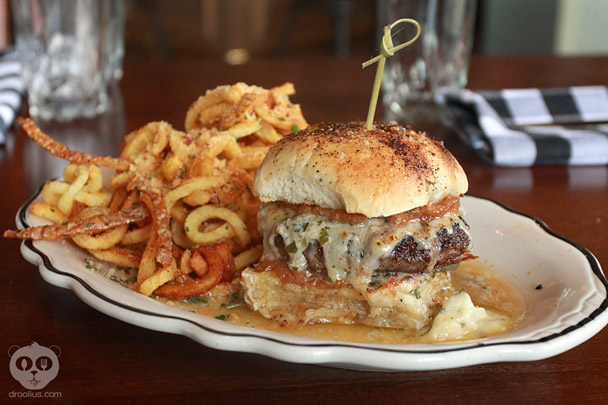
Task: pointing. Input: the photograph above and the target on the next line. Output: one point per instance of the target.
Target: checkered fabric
(11, 90)
(525, 127)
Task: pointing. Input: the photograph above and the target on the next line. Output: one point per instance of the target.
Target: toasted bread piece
(408, 303)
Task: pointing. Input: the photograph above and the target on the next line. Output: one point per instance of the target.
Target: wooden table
(105, 359)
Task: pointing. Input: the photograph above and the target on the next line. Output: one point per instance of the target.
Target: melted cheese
(357, 247)
(461, 319)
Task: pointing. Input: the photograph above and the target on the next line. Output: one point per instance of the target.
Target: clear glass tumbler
(70, 51)
(438, 60)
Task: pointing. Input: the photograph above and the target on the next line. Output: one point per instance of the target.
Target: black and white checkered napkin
(525, 127)
(11, 90)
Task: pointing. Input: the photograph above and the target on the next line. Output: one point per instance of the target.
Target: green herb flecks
(119, 280)
(90, 264)
(197, 300)
(301, 227)
(323, 237)
(291, 248)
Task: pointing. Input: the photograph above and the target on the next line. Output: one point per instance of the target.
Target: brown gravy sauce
(487, 289)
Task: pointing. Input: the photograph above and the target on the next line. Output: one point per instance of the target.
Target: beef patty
(408, 256)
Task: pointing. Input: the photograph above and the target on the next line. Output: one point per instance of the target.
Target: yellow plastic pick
(387, 49)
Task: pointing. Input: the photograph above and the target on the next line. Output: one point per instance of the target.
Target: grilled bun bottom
(409, 303)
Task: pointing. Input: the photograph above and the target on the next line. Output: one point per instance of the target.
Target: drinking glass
(438, 61)
(70, 50)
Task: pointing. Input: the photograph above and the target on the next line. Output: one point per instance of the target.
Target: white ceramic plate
(569, 309)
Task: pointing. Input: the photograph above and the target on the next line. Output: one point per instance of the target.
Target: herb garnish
(197, 299)
(119, 281)
(90, 264)
(323, 237)
(291, 248)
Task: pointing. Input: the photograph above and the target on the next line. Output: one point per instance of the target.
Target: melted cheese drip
(460, 319)
(358, 247)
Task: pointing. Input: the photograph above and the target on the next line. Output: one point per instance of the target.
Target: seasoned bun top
(378, 172)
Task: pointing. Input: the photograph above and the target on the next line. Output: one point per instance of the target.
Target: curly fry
(159, 249)
(88, 226)
(160, 217)
(219, 262)
(245, 106)
(63, 152)
(49, 212)
(198, 263)
(286, 89)
(159, 278)
(137, 235)
(147, 264)
(163, 177)
(121, 256)
(118, 198)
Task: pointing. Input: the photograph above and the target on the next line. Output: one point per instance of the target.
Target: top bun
(378, 172)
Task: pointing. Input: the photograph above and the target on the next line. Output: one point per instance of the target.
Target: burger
(359, 226)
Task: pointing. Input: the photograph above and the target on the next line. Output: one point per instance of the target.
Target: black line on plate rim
(595, 267)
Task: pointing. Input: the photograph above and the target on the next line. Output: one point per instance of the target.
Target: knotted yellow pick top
(387, 50)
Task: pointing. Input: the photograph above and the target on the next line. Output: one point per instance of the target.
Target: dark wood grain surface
(106, 360)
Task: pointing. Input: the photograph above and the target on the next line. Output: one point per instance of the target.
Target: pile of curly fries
(179, 208)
